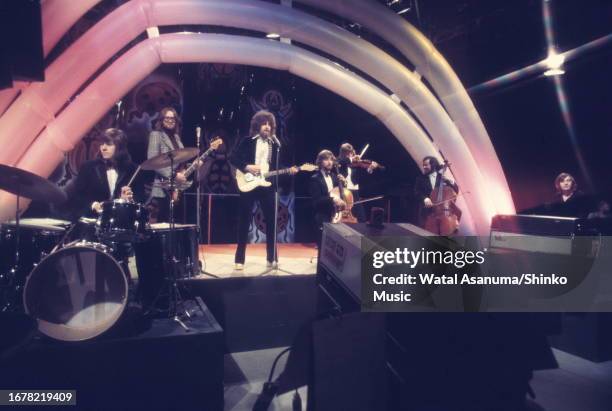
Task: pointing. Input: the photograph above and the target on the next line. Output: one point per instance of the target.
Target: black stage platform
(162, 367)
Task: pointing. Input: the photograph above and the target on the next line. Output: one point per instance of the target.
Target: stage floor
(294, 259)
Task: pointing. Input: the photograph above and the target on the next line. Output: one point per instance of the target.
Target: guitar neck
(277, 172)
(193, 165)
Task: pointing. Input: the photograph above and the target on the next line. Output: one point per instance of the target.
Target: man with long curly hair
(257, 154)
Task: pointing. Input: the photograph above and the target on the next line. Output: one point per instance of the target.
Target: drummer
(105, 178)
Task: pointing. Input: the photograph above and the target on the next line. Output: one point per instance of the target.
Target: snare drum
(76, 293)
(122, 221)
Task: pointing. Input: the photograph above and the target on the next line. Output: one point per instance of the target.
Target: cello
(443, 218)
(344, 214)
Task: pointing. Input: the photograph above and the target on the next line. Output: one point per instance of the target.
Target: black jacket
(244, 154)
(575, 206)
(423, 189)
(322, 203)
(91, 184)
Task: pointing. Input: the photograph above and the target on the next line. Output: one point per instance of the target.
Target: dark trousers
(358, 210)
(161, 205)
(265, 196)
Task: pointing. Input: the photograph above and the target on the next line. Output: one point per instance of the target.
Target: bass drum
(76, 293)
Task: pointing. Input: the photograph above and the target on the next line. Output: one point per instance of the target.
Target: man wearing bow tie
(321, 185)
(105, 178)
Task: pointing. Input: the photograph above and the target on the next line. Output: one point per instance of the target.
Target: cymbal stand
(174, 295)
(13, 273)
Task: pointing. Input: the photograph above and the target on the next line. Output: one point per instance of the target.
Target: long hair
(260, 118)
(345, 150)
(159, 124)
(117, 138)
(433, 162)
(324, 155)
(562, 177)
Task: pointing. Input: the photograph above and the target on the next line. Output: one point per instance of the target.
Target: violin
(358, 162)
(343, 214)
(443, 218)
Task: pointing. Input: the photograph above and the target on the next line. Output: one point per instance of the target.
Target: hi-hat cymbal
(29, 185)
(163, 160)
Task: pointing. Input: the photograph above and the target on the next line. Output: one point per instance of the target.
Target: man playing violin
(352, 168)
(321, 185)
(425, 184)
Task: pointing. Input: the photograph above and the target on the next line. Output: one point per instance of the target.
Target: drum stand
(13, 287)
(175, 299)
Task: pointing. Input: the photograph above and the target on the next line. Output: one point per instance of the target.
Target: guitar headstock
(216, 143)
(308, 167)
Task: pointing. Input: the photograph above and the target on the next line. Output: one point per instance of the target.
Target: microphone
(198, 131)
(273, 137)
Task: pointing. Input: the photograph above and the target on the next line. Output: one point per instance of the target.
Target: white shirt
(432, 178)
(111, 175)
(328, 181)
(262, 153)
(349, 180)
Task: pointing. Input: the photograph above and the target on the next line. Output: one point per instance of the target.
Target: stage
(294, 259)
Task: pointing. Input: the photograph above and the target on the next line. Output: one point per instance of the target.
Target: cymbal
(163, 160)
(29, 185)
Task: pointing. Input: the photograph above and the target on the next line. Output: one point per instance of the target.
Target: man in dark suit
(424, 185)
(165, 138)
(257, 154)
(104, 178)
(321, 184)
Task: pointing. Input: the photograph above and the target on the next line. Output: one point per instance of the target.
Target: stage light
(554, 62)
(153, 32)
(407, 9)
(554, 72)
(272, 35)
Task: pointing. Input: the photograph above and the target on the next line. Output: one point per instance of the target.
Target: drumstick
(133, 177)
(364, 150)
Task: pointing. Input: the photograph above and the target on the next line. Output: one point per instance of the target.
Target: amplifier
(544, 234)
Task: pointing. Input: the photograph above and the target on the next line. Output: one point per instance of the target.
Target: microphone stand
(275, 260)
(276, 201)
(198, 188)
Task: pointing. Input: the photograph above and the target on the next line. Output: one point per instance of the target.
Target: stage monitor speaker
(21, 51)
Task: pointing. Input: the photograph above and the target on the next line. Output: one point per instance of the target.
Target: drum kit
(70, 278)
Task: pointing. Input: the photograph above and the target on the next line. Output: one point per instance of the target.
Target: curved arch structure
(38, 105)
(57, 18)
(434, 67)
(126, 72)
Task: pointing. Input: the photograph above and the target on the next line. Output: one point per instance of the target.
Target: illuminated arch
(40, 101)
(126, 72)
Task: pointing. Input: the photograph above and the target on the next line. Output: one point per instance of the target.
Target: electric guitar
(178, 187)
(248, 182)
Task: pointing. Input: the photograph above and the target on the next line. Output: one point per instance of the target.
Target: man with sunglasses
(164, 138)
